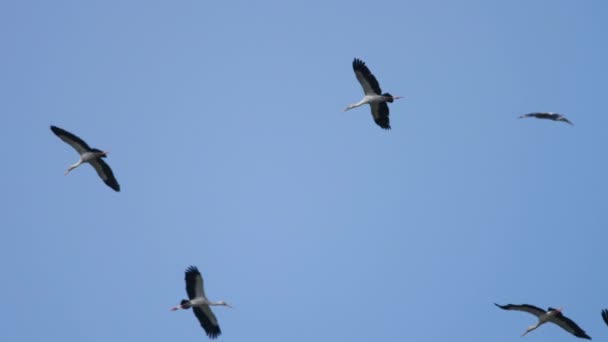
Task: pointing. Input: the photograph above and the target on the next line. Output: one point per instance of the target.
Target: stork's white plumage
(199, 303)
(88, 155)
(373, 95)
(551, 315)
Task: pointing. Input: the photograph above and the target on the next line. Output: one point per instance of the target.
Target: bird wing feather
(71, 139)
(380, 113)
(105, 173)
(194, 283)
(208, 320)
(568, 325)
(366, 78)
(564, 119)
(605, 316)
(536, 311)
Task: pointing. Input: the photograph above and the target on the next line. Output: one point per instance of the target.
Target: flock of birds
(378, 102)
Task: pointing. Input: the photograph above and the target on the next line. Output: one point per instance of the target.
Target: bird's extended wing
(78, 144)
(366, 78)
(208, 320)
(564, 119)
(380, 113)
(194, 283)
(605, 316)
(529, 115)
(105, 172)
(568, 325)
(523, 307)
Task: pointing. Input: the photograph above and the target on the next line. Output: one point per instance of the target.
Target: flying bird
(373, 95)
(605, 316)
(551, 315)
(548, 116)
(199, 303)
(88, 155)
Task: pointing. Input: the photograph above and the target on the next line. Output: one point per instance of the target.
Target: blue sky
(225, 129)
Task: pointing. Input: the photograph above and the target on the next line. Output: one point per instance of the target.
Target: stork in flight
(88, 155)
(605, 316)
(551, 315)
(199, 303)
(373, 95)
(548, 116)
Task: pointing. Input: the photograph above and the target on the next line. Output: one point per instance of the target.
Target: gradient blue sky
(225, 128)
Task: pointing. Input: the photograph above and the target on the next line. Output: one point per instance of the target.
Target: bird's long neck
(220, 303)
(355, 105)
(532, 327)
(73, 166)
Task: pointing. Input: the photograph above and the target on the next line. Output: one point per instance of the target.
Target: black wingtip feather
(214, 332)
(358, 64)
(192, 270)
(113, 185)
(58, 131)
(384, 126)
(583, 335)
(504, 307)
(383, 122)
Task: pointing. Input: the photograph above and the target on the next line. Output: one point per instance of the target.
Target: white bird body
(372, 95)
(199, 303)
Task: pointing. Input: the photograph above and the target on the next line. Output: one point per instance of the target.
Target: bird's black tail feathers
(185, 304)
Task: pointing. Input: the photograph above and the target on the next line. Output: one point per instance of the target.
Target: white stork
(373, 94)
(199, 303)
(605, 316)
(88, 155)
(551, 315)
(548, 116)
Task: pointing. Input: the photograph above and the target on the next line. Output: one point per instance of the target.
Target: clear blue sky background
(226, 133)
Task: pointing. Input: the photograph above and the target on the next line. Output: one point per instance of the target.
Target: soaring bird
(548, 116)
(88, 155)
(551, 315)
(199, 303)
(605, 316)
(373, 95)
